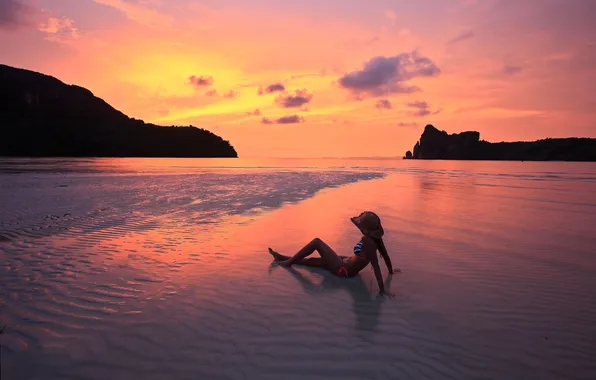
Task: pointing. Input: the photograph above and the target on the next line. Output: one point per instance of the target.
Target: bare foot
(285, 263)
(277, 256)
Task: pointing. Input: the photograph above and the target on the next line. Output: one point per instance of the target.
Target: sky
(322, 78)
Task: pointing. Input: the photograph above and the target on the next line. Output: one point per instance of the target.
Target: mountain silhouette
(435, 144)
(42, 116)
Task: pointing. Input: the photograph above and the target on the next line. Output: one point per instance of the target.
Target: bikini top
(358, 248)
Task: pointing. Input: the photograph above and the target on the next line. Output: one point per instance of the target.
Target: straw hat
(369, 223)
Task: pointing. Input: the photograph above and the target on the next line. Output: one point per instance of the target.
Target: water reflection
(366, 305)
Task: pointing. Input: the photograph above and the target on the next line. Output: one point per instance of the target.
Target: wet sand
(498, 282)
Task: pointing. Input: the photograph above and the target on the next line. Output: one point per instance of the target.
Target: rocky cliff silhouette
(41, 116)
(436, 144)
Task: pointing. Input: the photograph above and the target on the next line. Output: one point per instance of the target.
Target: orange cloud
(59, 29)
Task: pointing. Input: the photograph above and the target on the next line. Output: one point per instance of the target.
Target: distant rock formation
(435, 144)
(41, 116)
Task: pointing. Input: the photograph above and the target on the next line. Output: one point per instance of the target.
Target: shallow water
(157, 268)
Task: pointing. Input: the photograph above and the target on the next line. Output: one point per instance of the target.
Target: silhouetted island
(439, 145)
(41, 116)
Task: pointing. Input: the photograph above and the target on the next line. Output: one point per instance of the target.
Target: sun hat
(369, 223)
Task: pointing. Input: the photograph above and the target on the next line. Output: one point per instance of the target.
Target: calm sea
(157, 268)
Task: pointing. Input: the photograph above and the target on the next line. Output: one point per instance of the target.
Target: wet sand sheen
(490, 289)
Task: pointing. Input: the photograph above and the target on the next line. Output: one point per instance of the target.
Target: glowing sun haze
(312, 78)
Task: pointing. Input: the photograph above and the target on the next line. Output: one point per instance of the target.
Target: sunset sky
(312, 78)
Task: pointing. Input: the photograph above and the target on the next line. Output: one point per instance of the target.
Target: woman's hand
(394, 271)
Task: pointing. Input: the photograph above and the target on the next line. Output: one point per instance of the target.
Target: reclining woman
(365, 252)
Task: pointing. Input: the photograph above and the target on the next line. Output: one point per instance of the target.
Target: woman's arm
(378, 275)
(370, 249)
(383, 251)
(387, 261)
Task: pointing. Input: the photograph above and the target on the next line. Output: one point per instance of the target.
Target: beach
(158, 269)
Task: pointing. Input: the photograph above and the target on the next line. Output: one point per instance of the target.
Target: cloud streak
(201, 81)
(422, 108)
(290, 119)
(256, 112)
(463, 36)
(213, 92)
(384, 104)
(511, 69)
(275, 87)
(299, 99)
(59, 29)
(389, 75)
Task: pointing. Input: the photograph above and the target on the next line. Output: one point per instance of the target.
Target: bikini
(343, 272)
(358, 248)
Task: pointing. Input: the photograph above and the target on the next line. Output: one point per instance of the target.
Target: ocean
(158, 269)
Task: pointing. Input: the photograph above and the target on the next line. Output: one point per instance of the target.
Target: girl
(365, 252)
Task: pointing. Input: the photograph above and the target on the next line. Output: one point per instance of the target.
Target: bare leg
(315, 262)
(329, 258)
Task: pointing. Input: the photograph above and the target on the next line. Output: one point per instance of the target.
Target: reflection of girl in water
(367, 311)
(365, 252)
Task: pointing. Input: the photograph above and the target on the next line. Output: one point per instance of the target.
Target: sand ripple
(166, 276)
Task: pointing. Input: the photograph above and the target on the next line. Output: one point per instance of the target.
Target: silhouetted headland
(439, 145)
(41, 116)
